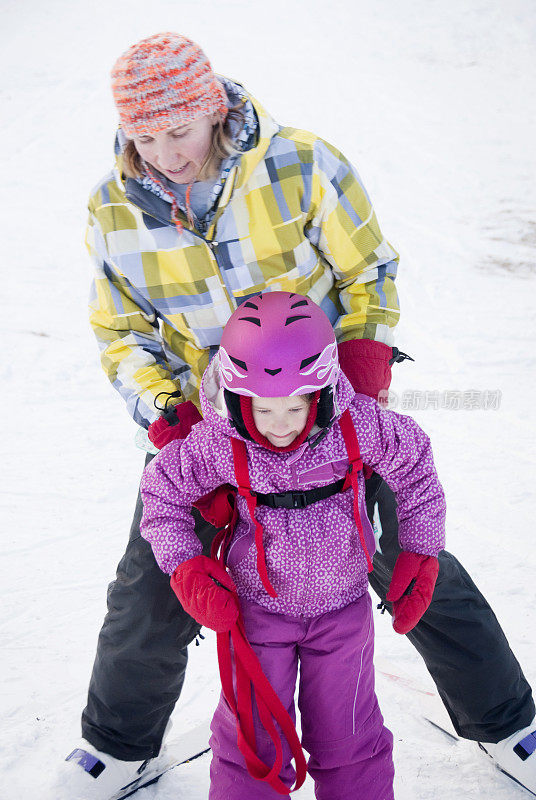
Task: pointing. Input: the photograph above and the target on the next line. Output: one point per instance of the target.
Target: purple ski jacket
(314, 557)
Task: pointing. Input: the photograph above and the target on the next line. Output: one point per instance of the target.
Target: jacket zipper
(211, 243)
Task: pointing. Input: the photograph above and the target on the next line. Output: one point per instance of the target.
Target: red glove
(207, 593)
(366, 365)
(174, 424)
(411, 589)
(217, 507)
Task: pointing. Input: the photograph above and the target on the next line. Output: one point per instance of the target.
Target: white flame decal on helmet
(327, 362)
(324, 371)
(229, 369)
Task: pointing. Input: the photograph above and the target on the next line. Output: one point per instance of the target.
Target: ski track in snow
(434, 103)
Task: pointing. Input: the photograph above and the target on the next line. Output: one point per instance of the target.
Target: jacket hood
(215, 412)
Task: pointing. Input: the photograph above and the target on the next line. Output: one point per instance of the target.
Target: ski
(504, 772)
(177, 752)
(432, 709)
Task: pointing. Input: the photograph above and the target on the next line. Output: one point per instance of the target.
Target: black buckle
(171, 416)
(289, 499)
(398, 357)
(358, 464)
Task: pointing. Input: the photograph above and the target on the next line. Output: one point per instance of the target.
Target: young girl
(282, 423)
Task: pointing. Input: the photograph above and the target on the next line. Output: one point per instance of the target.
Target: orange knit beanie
(164, 81)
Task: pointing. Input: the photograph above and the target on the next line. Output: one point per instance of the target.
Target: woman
(210, 202)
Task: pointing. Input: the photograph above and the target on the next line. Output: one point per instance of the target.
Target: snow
(434, 103)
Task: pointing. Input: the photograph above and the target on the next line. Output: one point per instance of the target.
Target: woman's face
(178, 153)
(280, 419)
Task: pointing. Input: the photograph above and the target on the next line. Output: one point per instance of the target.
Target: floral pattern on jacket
(314, 557)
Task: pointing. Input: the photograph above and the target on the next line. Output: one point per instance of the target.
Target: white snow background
(434, 101)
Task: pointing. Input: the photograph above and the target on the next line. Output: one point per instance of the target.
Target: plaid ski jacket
(293, 215)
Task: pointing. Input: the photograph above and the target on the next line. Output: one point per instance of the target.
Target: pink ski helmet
(278, 344)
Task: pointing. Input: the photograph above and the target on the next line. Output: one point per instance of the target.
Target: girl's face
(179, 153)
(280, 419)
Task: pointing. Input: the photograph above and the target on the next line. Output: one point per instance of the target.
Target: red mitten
(411, 589)
(217, 507)
(174, 424)
(366, 365)
(207, 593)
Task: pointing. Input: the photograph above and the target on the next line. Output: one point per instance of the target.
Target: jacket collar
(148, 201)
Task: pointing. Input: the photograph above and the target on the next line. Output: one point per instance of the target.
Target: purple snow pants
(342, 727)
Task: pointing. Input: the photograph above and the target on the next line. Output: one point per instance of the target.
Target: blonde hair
(221, 147)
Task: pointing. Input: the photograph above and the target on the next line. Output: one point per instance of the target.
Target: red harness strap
(244, 488)
(356, 464)
(249, 675)
(250, 678)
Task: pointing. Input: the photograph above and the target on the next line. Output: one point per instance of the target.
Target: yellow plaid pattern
(293, 215)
